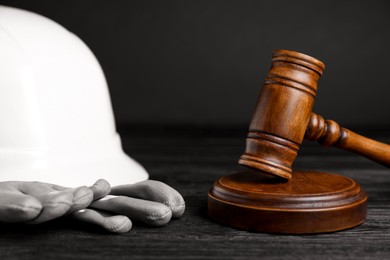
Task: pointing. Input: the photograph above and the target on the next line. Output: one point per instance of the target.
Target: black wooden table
(190, 160)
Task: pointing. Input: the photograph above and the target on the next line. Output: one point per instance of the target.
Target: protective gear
(150, 202)
(56, 120)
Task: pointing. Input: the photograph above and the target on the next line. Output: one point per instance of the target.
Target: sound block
(310, 202)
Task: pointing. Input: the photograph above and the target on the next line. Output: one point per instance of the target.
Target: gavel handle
(329, 133)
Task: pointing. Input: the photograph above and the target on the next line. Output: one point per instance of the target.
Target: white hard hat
(56, 119)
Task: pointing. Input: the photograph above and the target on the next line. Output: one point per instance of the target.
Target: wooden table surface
(190, 160)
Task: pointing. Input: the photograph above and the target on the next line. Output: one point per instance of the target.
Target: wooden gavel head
(282, 113)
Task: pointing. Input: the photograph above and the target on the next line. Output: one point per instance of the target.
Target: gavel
(310, 201)
(283, 118)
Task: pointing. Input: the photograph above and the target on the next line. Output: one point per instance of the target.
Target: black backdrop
(202, 62)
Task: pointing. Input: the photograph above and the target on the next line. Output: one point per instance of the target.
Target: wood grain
(329, 133)
(282, 112)
(311, 202)
(283, 117)
(190, 160)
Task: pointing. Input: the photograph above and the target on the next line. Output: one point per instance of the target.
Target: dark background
(202, 63)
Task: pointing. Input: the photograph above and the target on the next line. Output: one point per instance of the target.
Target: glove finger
(18, 207)
(155, 191)
(55, 204)
(100, 189)
(148, 212)
(115, 224)
(37, 189)
(82, 198)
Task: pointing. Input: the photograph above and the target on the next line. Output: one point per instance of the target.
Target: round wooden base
(310, 202)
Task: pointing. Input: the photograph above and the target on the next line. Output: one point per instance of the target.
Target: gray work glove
(150, 202)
